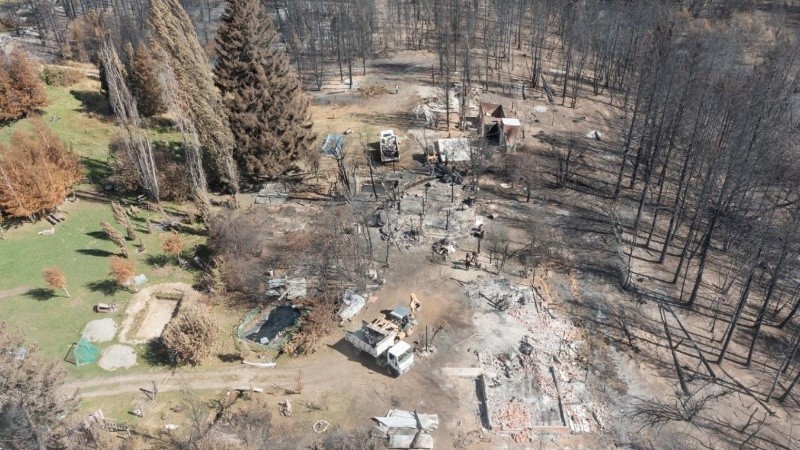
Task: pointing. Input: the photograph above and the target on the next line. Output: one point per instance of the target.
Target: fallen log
(678, 368)
(693, 344)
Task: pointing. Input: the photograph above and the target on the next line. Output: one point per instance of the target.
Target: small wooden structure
(55, 217)
(105, 307)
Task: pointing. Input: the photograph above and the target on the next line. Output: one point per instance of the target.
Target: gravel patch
(100, 330)
(116, 357)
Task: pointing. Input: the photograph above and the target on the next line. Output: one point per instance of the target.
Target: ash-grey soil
(100, 330)
(117, 357)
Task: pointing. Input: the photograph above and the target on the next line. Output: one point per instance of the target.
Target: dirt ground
(147, 315)
(159, 313)
(100, 330)
(117, 357)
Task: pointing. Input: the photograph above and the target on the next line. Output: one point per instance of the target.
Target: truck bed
(371, 340)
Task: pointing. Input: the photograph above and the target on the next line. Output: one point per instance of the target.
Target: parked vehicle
(380, 340)
(390, 151)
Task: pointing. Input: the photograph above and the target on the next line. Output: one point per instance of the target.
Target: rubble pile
(501, 293)
(444, 247)
(352, 304)
(514, 416)
(406, 429)
(538, 384)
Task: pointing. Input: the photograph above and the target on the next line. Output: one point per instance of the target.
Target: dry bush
(339, 439)
(21, 89)
(315, 325)
(38, 171)
(171, 170)
(239, 244)
(324, 250)
(657, 412)
(61, 76)
(249, 421)
(121, 269)
(523, 169)
(372, 90)
(192, 335)
(115, 237)
(173, 245)
(124, 177)
(83, 37)
(32, 407)
(55, 279)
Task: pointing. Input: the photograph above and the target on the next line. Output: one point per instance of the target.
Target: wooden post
(447, 223)
(388, 244)
(426, 337)
(371, 177)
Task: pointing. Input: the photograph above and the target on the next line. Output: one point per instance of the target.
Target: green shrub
(61, 76)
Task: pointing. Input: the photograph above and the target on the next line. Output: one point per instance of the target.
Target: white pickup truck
(381, 343)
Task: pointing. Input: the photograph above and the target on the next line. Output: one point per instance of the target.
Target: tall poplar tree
(265, 102)
(175, 35)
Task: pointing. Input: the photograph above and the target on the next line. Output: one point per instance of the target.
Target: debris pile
(352, 304)
(514, 416)
(406, 429)
(444, 247)
(501, 293)
(271, 194)
(536, 373)
(286, 288)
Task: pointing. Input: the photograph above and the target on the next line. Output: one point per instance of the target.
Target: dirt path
(19, 290)
(228, 377)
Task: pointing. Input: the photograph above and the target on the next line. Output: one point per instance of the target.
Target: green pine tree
(265, 102)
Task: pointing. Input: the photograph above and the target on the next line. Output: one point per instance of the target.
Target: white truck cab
(400, 358)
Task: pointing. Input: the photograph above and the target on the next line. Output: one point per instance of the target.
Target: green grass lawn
(78, 115)
(80, 249)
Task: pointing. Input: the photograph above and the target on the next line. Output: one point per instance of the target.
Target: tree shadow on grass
(155, 353)
(41, 294)
(105, 287)
(96, 169)
(229, 357)
(157, 260)
(95, 252)
(99, 234)
(93, 102)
